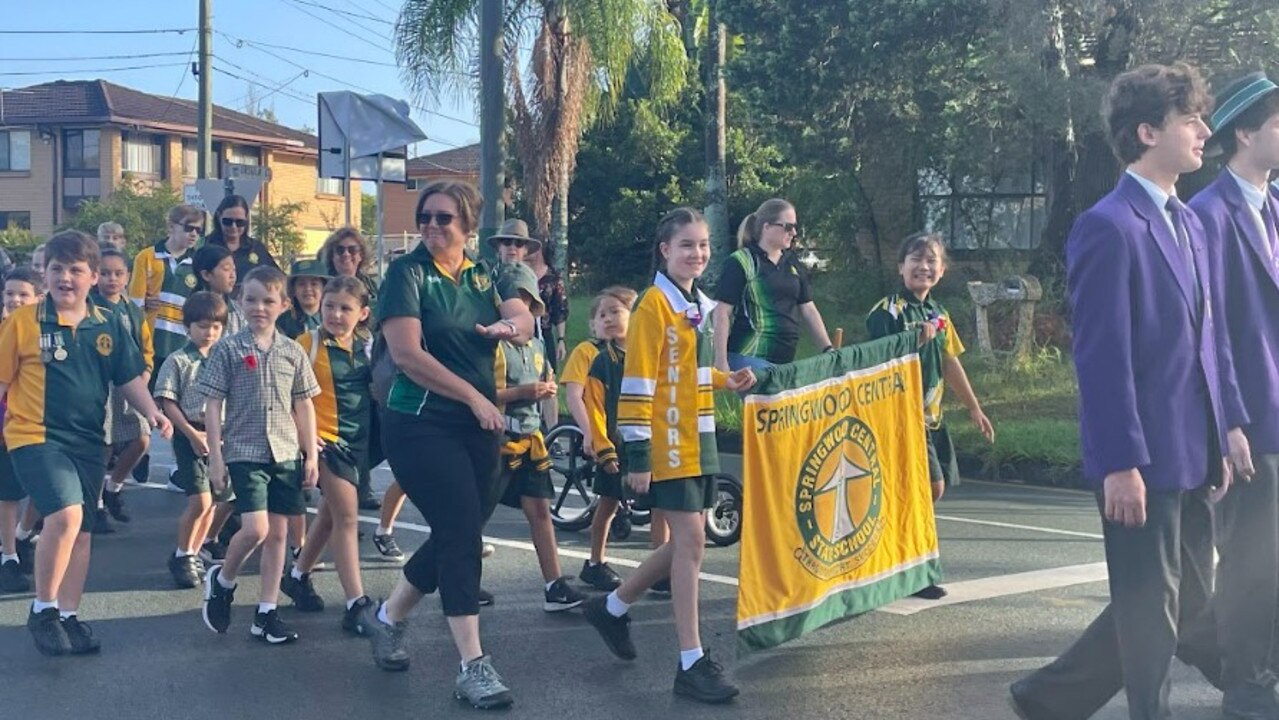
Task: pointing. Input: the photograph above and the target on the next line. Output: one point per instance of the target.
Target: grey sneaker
(480, 685)
(387, 640)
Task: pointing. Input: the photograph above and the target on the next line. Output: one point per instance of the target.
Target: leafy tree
(141, 209)
(277, 226)
(368, 214)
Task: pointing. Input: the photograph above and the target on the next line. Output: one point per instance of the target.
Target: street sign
(241, 171)
(191, 196)
(213, 191)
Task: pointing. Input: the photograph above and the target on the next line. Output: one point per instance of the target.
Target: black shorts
(56, 478)
(942, 464)
(10, 489)
(609, 485)
(345, 461)
(525, 481)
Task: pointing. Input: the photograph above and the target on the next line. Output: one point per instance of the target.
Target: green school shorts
(193, 471)
(57, 479)
(693, 494)
(525, 481)
(273, 487)
(10, 489)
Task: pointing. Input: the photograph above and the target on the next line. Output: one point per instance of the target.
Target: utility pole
(206, 167)
(492, 121)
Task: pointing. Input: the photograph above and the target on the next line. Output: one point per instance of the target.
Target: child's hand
(310, 472)
(588, 447)
(741, 381)
(544, 389)
(199, 443)
(639, 482)
(927, 331)
(217, 473)
(161, 423)
(611, 467)
(939, 489)
(983, 424)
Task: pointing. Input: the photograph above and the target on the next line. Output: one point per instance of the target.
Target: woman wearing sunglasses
(231, 230)
(764, 292)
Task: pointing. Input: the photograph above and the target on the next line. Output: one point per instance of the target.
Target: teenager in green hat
(306, 287)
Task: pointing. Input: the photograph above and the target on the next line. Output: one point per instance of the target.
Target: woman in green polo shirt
(231, 231)
(442, 317)
(764, 292)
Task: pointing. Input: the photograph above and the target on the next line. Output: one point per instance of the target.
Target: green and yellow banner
(838, 516)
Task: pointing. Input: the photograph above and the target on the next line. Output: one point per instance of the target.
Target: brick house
(64, 142)
(399, 200)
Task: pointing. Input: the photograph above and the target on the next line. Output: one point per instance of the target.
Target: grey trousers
(1247, 602)
(1160, 587)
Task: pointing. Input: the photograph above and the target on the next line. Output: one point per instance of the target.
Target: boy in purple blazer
(1238, 212)
(1151, 438)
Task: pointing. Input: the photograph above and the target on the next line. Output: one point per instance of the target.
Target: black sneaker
(11, 578)
(562, 596)
(212, 552)
(661, 587)
(229, 530)
(114, 504)
(370, 502)
(486, 598)
(600, 577)
(616, 631)
(932, 592)
(704, 682)
(302, 592)
(387, 547)
(217, 601)
(353, 617)
(101, 523)
(183, 570)
(47, 631)
(27, 556)
(268, 627)
(387, 640)
(81, 636)
(142, 471)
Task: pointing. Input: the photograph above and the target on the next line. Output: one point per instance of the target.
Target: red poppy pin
(251, 362)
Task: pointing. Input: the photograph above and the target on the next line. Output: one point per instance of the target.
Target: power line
(241, 41)
(388, 7)
(281, 89)
(173, 99)
(179, 31)
(93, 57)
(272, 91)
(361, 38)
(263, 81)
(348, 13)
(98, 70)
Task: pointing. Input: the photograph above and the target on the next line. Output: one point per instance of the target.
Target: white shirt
(1255, 198)
(1161, 201)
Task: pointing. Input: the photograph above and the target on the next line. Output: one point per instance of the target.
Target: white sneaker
(487, 550)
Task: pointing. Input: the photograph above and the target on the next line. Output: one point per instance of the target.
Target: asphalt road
(1024, 566)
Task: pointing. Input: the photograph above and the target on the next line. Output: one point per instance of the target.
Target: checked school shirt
(59, 375)
(179, 381)
(260, 387)
(157, 273)
(344, 406)
(901, 311)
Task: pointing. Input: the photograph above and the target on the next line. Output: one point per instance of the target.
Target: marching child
(610, 318)
(524, 380)
(128, 432)
(306, 286)
(921, 261)
(264, 383)
(343, 408)
(178, 392)
(17, 551)
(214, 267)
(58, 358)
(666, 416)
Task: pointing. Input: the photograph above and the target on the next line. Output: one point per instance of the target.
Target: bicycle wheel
(572, 475)
(724, 518)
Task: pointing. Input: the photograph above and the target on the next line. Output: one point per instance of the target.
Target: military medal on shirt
(52, 347)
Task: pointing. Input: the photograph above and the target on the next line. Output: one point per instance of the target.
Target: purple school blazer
(1145, 357)
(1246, 289)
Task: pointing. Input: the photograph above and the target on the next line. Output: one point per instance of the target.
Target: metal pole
(346, 175)
(492, 119)
(205, 168)
(381, 244)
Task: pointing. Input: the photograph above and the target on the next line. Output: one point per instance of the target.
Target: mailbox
(1025, 291)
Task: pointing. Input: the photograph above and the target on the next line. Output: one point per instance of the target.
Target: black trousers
(450, 473)
(1247, 601)
(1160, 587)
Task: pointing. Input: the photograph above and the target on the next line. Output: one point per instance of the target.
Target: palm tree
(583, 53)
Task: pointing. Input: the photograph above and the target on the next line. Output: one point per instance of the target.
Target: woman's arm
(815, 325)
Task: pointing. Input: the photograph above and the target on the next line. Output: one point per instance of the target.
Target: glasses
(788, 227)
(234, 222)
(442, 219)
(347, 250)
(517, 242)
(186, 228)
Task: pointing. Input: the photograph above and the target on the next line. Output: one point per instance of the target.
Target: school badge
(839, 498)
(103, 344)
(253, 258)
(481, 281)
(190, 281)
(539, 362)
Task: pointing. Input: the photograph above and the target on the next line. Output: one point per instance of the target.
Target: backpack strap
(315, 344)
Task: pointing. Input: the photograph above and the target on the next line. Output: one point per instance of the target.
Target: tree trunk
(559, 227)
(716, 122)
(559, 202)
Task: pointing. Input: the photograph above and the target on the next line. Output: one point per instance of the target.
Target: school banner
(838, 516)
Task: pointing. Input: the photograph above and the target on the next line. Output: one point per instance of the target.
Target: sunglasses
(234, 222)
(347, 250)
(442, 219)
(788, 227)
(188, 228)
(517, 242)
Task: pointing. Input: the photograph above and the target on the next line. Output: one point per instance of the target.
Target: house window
(242, 155)
(190, 158)
(81, 150)
(328, 186)
(142, 154)
(15, 150)
(1005, 212)
(15, 220)
(412, 185)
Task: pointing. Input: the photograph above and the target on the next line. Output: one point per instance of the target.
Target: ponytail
(767, 212)
(747, 233)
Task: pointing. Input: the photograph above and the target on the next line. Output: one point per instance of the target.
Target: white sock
(266, 607)
(101, 506)
(351, 603)
(548, 585)
(38, 606)
(64, 614)
(23, 533)
(228, 584)
(6, 557)
(383, 617)
(688, 657)
(383, 530)
(295, 573)
(615, 606)
(180, 553)
(115, 487)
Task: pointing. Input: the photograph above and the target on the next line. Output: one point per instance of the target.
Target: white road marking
(1014, 526)
(1002, 585)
